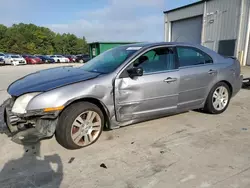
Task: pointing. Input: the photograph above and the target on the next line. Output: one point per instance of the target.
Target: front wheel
(218, 99)
(79, 125)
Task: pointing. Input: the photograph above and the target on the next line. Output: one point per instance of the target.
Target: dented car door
(152, 94)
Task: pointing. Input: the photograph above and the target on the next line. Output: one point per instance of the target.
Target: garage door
(187, 30)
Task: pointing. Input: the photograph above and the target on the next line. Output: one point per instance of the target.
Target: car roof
(146, 45)
(152, 44)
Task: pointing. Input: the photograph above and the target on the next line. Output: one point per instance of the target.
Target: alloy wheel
(86, 128)
(220, 98)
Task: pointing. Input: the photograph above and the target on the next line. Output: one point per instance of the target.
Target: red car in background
(30, 59)
(71, 58)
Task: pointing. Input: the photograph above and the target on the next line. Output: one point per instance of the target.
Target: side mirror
(135, 71)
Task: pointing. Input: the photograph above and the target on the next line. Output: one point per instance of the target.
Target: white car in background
(2, 56)
(13, 59)
(60, 58)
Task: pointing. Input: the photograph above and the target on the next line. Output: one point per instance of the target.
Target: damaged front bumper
(31, 127)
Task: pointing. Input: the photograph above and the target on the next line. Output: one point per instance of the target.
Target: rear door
(154, 93)
(197, 72)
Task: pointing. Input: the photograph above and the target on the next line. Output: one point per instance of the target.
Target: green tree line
(31, 39)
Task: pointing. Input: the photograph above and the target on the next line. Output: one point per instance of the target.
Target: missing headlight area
(28, 129)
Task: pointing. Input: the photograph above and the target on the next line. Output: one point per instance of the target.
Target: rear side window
(192, 56)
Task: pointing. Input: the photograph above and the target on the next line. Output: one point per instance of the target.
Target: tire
(70, 117)
(58, 61)
(81, 61)
(211, 99)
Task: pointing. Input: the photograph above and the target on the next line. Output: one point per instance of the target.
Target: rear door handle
(169, 80)
(212, 71)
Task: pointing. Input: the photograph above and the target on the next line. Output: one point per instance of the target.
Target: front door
(197, 74)
(154, 93)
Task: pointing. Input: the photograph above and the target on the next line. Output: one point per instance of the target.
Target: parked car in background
(72, 58)
(1, 60)
(76, 103)
(2, 55)
(46, 59)
(30, 59)
(59, 58)
(14, 59)
(82, 58)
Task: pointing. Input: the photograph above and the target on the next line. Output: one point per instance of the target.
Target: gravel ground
(188, 150)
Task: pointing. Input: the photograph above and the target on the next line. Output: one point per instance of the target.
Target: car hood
(49, 79)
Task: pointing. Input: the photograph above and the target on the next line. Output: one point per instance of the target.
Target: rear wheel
(218, 99)
(81, 61)
(79, 125)
(58, 61)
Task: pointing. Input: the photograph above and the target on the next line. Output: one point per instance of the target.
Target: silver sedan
(122, 86)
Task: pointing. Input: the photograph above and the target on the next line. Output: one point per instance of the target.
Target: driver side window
(156, 60)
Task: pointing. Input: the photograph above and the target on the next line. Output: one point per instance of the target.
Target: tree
(31, 39)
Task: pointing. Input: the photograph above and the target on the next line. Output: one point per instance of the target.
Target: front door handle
(212, 71)
(169, 80)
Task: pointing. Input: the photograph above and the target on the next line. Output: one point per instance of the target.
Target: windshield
(15, 56)
(110, 60)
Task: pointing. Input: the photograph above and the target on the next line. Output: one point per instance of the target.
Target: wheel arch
(98, 103)
(228, 84)
(220, 81)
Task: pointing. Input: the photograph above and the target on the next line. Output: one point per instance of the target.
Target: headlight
(22, 102)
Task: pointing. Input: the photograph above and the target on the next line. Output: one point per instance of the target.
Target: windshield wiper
(97, 71)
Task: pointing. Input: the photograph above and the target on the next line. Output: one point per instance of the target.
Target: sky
(96, 20)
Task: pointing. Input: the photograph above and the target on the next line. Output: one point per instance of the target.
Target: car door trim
(152, 98)
(159, 109)
(187, 102)
(192, 66)
(192, 90)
